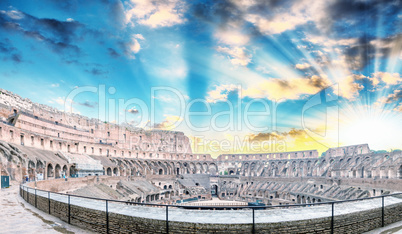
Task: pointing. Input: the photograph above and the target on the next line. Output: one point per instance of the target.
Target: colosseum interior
(49, 149)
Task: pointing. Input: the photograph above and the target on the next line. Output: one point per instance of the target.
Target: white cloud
(220, 93)
(303, 66)
(328, 42)
(156, 13)
(348, 88)
(386, 77)
(238, 55)
(286, 19)
(233, 44)
(17, 15)
(139, 36)
(232, 37)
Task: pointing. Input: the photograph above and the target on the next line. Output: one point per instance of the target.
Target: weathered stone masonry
(95, 220)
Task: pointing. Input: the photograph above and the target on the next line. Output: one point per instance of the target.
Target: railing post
(36, 200)
(382, 212)
(69, 210)
(167, 219)
(332, 218)
(107, 217)
(28, 194)
(48, 198)
(253, 231)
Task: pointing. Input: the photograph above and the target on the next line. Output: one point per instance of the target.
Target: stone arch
(214, 190)
(50, 171)
(31, 170)
(65, 170)
(193, 169)
(40, 168)
(160, 172)
(57, 171)
(116, 171)
(73, 172)
(133, 171)
(213, 169)
(245, 169)
(205, 168)
(400, 172)
(109, 171)
(178, 168)
(198, 168)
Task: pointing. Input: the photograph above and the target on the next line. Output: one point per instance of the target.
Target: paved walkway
(17, 216)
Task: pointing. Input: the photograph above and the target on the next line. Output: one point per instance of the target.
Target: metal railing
(25, 190)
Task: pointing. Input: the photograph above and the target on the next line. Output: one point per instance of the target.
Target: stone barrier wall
(96, 220)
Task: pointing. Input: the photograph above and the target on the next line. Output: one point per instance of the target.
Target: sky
(234, 75)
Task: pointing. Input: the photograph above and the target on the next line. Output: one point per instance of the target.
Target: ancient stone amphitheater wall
(107, 216)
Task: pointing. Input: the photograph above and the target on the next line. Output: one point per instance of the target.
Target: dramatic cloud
(57, 35)
(288, 89)
(394, 97)
(273, 89)
(9, 52)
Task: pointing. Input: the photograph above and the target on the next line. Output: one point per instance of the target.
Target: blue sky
(274, 58)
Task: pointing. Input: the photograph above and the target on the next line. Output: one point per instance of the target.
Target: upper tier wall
(49, 122)
(264, 156)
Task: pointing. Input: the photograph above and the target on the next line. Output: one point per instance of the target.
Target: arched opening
(116, 171)
(214, 190)
(231, 172)
(400, 172)
(170, 187)
(73, 172)
(58, 171)
(160, 171)
(40, 168)
(109, 171)
(31, 170)
(362, 174)
(178, 171)
(64, 173)
(50, 172)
